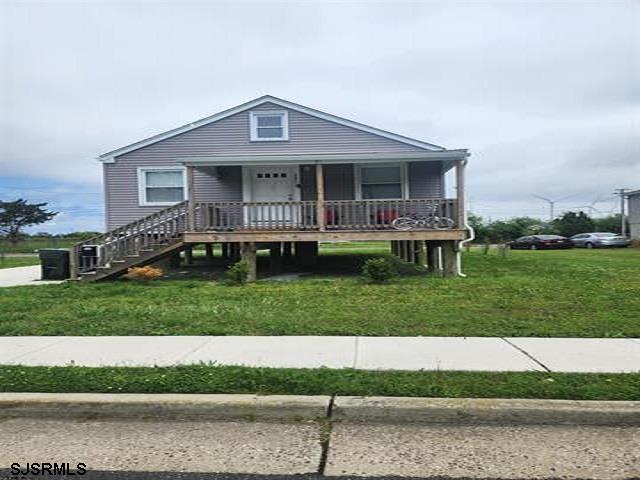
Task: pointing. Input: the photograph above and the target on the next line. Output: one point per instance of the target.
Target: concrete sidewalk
(18, 276)
(364, 353)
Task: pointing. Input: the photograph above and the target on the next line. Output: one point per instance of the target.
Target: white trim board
(247, 185)
(109, 157)
(404, 178)
(142, 198)
(229, 160)
(253, 125)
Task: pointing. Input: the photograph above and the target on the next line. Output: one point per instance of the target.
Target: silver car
(600, 239)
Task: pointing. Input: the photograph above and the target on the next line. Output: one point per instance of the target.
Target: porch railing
(338, 214)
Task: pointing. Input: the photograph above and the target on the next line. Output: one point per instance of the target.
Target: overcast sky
(546, 95)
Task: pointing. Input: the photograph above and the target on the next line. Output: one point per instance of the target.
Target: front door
(276, 185)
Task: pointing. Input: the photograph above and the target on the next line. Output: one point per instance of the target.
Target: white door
(273, 184)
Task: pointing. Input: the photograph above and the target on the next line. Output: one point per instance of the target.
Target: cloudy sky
(546, 95)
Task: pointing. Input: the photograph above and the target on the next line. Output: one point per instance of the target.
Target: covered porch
(293, 194)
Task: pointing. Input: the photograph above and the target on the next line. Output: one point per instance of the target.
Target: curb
(163, 406)
(484, 411)
(389, 410)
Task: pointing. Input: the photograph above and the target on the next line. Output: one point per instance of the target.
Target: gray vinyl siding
(426, 180)
(231, 136)
(634, 216)
(338, 179)
(121, 184)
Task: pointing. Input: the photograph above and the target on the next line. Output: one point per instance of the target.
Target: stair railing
(159, 228)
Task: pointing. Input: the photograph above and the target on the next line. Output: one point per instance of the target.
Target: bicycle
(430, 221)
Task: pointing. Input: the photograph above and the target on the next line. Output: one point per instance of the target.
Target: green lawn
(32, 245)
(218, 379)
(10, 262)
(584, 293)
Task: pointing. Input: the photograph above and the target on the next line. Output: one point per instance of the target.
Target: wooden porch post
(248, 254)
(320, 197)
(421, 256)
(411, 251)
(74, 270)
(191, 211)
(208, 247)
(234, 251)
(188, 254)
(460, 170)
(449, 260)
(275, 258)
(433, 260)
(287, 248)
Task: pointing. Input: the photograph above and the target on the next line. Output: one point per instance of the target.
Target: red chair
(330, 217)
(386, 216)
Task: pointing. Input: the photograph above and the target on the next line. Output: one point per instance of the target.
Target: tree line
(567, 225)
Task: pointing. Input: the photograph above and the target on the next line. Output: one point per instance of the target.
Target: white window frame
(404, 179)
(253, 125)
(142, 185)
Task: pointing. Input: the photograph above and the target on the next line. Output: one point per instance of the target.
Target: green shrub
(237, 273)
(379, 270)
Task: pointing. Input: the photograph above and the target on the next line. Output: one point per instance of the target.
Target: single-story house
(274, 174)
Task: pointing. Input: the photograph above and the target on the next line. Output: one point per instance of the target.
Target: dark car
(540, 242)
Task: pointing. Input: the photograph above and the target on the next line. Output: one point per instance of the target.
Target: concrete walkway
(364, 353)
(17, 276)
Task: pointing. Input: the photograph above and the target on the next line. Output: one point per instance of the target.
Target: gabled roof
(109, 156)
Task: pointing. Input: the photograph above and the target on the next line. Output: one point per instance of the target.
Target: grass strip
(12, 262)
(271, 381)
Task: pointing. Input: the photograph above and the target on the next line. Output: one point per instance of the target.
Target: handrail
(129, 239)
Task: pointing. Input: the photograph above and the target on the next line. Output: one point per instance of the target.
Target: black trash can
(54, 263)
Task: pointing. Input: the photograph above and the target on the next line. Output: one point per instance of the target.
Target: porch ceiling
(448, 157)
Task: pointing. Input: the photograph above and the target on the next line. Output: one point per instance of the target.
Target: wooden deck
(321, 236)
(247, 224)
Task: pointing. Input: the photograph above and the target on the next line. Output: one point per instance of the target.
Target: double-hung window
(381, 181)
(269, 126)
(161, 185)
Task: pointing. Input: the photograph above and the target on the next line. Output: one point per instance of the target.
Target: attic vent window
(269, 126)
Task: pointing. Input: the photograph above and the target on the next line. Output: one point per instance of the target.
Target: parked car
(539, 242)
(600, 239)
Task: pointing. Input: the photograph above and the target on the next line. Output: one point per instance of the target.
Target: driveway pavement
(13, 277)
(365, 353)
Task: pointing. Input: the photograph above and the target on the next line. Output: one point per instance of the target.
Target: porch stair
(138, 243)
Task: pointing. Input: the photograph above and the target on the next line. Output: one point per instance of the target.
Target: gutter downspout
(470, 238)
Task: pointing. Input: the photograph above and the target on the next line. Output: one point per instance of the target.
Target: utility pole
(623, 219)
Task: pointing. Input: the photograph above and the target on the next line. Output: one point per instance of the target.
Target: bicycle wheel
(403, 223)
(443, 223)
